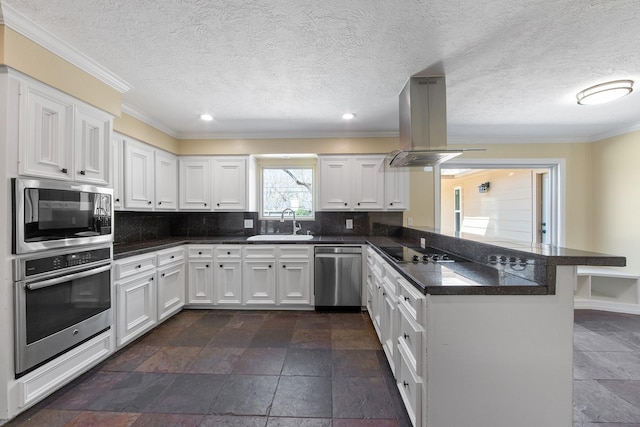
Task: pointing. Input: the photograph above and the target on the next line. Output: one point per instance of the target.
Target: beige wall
(20, 53)
(134, 128)
(290, 146)
(615, 188)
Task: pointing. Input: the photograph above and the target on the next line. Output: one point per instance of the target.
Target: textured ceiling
(291, 68)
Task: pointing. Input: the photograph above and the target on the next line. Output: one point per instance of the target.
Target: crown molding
(289, 135)
(139, 115)
(611, 134)
(24, 26)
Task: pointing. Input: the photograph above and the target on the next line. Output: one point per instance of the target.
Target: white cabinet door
(368, 182)
(46, 133)
(396, 188)
(335, 183)
(294, 282)
(389, 322)
(195, 183)
(136, 307)
(166, 180)
(117, 147)
(229, 183)
(228, 282)
(259, 282)
(138, 175)
(171, 290)
(200, 281)
(92, 146)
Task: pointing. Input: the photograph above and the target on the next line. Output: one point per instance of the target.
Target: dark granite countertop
(475, 277)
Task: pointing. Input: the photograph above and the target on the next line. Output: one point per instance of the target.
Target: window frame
(304, 163)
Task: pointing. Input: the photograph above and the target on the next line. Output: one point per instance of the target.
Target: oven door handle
(57, 280)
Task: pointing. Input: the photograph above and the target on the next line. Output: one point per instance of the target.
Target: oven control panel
(60, 262)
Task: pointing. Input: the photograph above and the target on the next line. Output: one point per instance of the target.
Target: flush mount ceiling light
(205, 117)
(348, 116)
(605, 92)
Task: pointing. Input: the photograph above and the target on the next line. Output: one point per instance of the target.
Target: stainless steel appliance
(62, 298)
(50, 214)
(338, 277)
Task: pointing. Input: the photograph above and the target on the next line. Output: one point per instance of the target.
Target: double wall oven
(62, 236)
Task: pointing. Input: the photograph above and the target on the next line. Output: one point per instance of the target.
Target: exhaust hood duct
(423, 124)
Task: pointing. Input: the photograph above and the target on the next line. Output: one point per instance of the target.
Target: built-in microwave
(50, 214)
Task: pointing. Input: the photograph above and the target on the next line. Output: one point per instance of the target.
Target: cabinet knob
(384, 294)
(406, 384)
(118, 200)
(391, 204)
(206, 266)
(406, 337)
(205, 204)
(229, 253)
(149, 202)
(151, 279)
(173, 256)
(82, 173)
(217, 204)
(199, 253)
(221, 266)
(139, 266)
(284, 266)
(269, 265)
(159, 203)
(162, 275)
(63, 170)
(358, 203)
(406, 298)
(345, 203)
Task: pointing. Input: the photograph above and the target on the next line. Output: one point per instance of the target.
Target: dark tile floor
(240, 368)
(222, 368)
(606, 369)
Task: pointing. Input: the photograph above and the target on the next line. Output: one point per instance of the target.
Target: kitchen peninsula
(498, 343)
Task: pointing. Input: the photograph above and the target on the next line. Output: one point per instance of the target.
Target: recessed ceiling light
(348, 116)
(206, 117)
(605, 92)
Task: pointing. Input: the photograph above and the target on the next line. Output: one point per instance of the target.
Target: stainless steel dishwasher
(338, 277)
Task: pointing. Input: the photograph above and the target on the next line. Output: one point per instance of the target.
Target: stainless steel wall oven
(50, 214)
(62, 298)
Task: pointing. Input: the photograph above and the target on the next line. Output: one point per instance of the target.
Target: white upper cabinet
(396, 188)
(166, 182)
(352, 182)
(92, 146)
(335, 185)
(368, 181)
(138, 175)
(60, 137)
(195, 183)
(229, 183)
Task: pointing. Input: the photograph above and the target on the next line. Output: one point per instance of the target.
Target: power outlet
(422, 243)
(248, 223)
(410, 221)
(349, 224)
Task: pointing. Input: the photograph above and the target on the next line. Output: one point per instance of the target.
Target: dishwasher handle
(338, 250)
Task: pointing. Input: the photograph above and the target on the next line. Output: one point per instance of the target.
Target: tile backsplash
(140, 226)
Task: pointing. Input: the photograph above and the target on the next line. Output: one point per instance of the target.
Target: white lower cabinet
(397, 311)
(228, 282)
(136, 307)
(200, 273)
(294, 285)
(171, 282)
(259, 282)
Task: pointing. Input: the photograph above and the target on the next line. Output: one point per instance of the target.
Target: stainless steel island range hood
(423, 124)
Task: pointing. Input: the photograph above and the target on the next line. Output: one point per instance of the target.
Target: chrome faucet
(296, 227)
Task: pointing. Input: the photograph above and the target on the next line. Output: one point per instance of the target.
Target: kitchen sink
(280, 237)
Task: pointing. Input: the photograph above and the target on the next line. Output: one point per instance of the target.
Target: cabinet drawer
(410, 337)
(225, 252)
(410, 387)
(196, 251)
(412, 300)
(257, 251)
(169, 256)
(294, 251)
(134, 265)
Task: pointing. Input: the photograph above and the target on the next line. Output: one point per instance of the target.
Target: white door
(195, 183)
(396, 189)
(166, 182)
(229, 184)
(171, 290)
(294, 282)
(335, 183)
(136, 309)
(92, 146)
(368, 179)
(200, 281)
(46, 134)
(228, 282)
(138, 175)
(259, 282)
